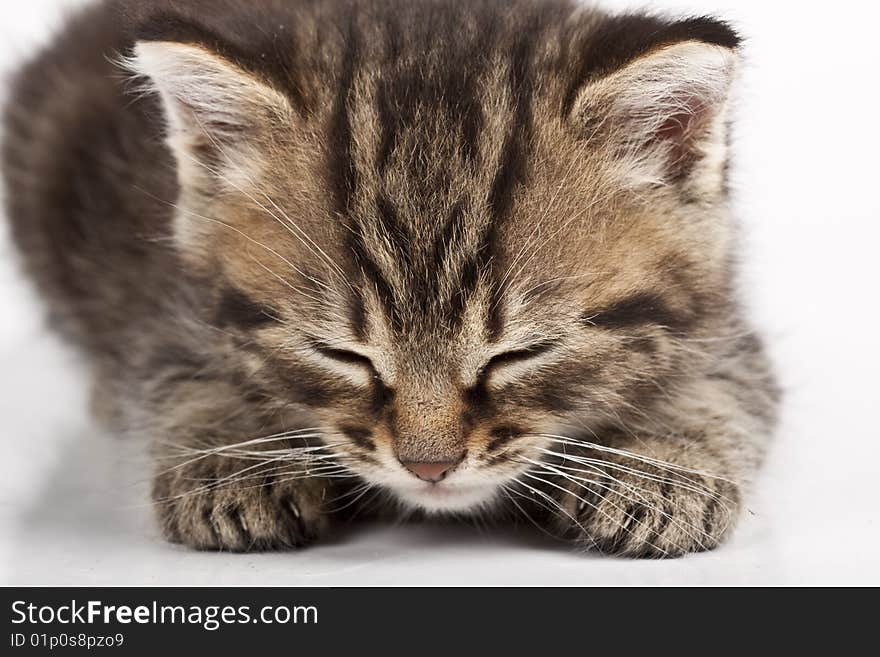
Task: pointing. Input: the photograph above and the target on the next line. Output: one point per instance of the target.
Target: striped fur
(387, 232)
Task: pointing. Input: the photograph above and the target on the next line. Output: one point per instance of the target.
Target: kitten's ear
(663, 114)
(210, 103)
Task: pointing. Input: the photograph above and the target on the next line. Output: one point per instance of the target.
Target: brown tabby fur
(408, 232)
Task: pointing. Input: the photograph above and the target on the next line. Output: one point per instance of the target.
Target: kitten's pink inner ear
(680, 130)
(671, 101)
(683, 123)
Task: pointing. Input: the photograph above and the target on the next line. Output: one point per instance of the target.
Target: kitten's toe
(230, 529)
(284, 515)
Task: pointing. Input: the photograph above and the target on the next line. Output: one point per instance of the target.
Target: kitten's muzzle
(433, 471)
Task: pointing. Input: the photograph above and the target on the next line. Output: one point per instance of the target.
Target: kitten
(382, 256)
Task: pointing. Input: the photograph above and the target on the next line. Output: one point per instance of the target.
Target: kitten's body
(479, 242)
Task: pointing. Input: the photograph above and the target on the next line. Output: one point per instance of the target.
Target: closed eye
(346, 356)
(513, 357)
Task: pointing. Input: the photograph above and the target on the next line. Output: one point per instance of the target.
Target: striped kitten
(379, 256)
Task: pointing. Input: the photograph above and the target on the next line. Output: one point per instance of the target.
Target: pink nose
(433, 471)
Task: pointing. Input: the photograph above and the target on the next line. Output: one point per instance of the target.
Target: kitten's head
(448, 242)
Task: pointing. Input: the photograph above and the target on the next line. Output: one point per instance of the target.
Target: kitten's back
(84, 165)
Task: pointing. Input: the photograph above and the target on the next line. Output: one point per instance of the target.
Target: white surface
(73, 507)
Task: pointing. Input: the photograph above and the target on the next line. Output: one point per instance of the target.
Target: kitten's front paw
(644, 510)
(216, 503)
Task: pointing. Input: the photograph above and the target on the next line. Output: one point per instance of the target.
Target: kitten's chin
(444, 498)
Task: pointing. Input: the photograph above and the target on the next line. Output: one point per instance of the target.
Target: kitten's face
(443, 303)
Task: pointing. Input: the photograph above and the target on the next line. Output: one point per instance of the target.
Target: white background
(72, 501)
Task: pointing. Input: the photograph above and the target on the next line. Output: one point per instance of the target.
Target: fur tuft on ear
(664, 113)
(220, 122)
(208, 101)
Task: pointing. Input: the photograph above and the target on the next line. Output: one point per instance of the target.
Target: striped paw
(648, 511)
(209, 505)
